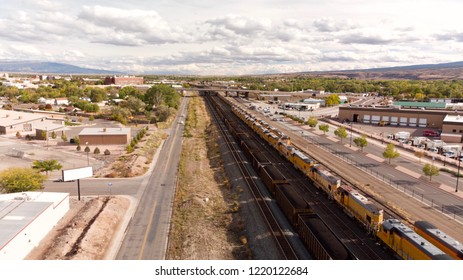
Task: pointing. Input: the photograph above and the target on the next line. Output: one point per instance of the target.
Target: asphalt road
(410, 180)
(147, 234)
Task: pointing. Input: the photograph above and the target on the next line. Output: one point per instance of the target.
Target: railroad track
(277, 232)
(356, 240)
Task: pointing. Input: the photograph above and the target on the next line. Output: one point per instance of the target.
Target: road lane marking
(408, 172)
(148, 227)
(375, 157)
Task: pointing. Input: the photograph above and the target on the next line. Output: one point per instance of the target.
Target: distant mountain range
(38, 67)
(441, 71)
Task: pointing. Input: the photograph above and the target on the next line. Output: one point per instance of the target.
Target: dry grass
(204, 222)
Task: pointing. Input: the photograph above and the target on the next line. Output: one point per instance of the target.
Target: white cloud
(214, 37)
(136, 26)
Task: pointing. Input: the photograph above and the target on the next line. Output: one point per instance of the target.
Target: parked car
(449, 154)
(430, 133)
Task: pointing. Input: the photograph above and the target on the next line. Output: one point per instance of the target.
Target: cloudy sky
(232, 37)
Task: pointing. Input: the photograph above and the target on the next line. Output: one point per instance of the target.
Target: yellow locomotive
(358, 206)
(440, 239)
(407, 243)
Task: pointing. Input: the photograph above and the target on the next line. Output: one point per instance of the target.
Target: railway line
(276, 230)
(397, 236)
(353, 237)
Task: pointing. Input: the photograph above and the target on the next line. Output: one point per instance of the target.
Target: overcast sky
(232, 37)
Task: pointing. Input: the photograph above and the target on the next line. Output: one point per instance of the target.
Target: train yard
(311, 202)
(309, 212)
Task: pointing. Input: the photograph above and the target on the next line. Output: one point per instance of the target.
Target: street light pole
(350, 142)
(88, 150)
(458, 172)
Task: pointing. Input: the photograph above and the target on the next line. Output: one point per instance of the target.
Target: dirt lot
(86, 232)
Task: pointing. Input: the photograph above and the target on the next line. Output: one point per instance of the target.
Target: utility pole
(458, 172)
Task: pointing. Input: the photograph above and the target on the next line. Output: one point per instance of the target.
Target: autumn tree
(324, 127)
(312, 122)
(361, 142)
(17, 179)
(341, 133)
(332, 100)
(430, 170)
(390, 152)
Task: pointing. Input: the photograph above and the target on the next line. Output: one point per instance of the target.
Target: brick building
(105, 136)
(123, 80)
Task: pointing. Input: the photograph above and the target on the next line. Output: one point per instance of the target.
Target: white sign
(78, 173)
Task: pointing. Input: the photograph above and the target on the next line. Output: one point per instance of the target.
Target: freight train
(398, 237)
(318, 238)
(440, 239)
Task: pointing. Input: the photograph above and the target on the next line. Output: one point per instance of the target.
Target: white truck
(402, 135)
(434, 144)
(418, 141)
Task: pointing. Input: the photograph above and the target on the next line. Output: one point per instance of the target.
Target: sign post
(77, 174)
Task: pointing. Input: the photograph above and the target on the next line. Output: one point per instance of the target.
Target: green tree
(341, 133)
(98, 95)
(53, 135)
(324, 127)
(135, 105)
(120, 114)
(76, 140)
(63, 136)
(44, 135)
(162, 94)
(91, 118)
(430, 170)
(312, 122)
(107, 152)
(87, 149)
(96, 151)
(46, 165)
(361, 142)
(129, 91)
(17, 179)
(390, 152)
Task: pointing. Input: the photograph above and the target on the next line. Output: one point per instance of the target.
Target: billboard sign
(78, 173)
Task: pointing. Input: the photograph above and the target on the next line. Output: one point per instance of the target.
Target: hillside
(37, 67)
(443, 71)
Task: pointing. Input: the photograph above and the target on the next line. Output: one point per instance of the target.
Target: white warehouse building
(26, 218)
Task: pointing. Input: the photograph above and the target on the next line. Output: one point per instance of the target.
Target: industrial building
(105, 136)
(123, 80)
(452, 129)
(393, 116)
(26, 218)
(12, 122)
(450, 123)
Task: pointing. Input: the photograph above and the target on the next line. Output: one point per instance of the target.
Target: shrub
(96, 151)
(78, 148)
(107, 152)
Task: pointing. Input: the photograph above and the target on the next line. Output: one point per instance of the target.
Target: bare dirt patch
(86, 232)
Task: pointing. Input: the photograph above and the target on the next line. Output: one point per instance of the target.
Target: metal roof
(413, 104)
(453, 119)
(18, 210)
(105, 131)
